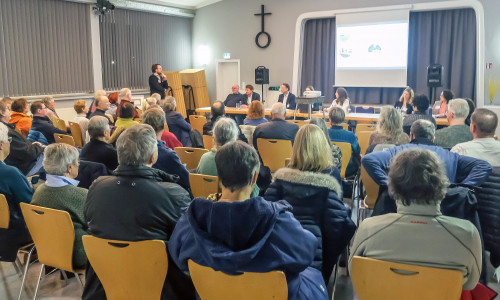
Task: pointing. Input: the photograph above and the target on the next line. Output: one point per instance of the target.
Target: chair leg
(39, 279)
(79, 279)
(16, 267)
(26, 265)
(64, 276)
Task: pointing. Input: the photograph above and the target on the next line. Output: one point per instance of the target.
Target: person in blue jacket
(238, 234)
(176, 123)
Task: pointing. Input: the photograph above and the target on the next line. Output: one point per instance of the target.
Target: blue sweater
(338, 134)
(169, 162)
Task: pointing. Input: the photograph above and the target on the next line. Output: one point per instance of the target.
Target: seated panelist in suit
(157, 81)
(287, 98)
(250, 95)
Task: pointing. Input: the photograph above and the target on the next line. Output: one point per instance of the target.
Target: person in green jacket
(60, 191)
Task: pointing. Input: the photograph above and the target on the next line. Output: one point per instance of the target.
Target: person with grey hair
(102, 105)
(60, 191)
(167, 161)
(418, 182)
(125, 96)
(422, 132)
(457, 132)
(97, 149)
(51, 106)
(277, 128)
(137, 203)
(16, 189)
(176, 123)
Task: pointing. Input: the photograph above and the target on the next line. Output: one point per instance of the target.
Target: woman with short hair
(315, 195)
(255, 115)
(389, 128)
(81, 108)
(60, 191)
(126, 118)
(20, 115)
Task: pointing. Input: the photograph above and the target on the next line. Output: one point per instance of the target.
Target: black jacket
(317, 206)
(290, 100)
(45, 126)
(101, 152)
(488, 199)
(157, 87)
(137, 203)
(276, 129)
(88, 171)
(23, 153)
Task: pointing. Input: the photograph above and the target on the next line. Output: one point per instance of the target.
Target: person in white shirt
(341, 100)
(287, 98)
(484, 122)
(82, 109)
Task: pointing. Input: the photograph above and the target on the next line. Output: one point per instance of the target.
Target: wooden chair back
(66, 139)
(380, 280)
(366, 127)
(371, 188)
(128, 270)
(166, 127)
(300, 123)
(216, 285)
(190, 156)
(208, 142)
(346, 156)
(203, 185)
(197, 122)
(363, 140)
(4, 212)
(274, 152)
(53, 234)
(76, 132)
(59, 123)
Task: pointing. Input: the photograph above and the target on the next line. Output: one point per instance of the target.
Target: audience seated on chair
(113, 104)
(218, 110)
(277, 128)
(93, 105)
(50, 103)
(20, 116)
(310, 186)
(24, 155)
(176, 123)
(418, 233)
(457, 132)
(126, 120)
(341, 100)
(81, 110)
(137, 203)
(167, 161)
(389, 128)
(225, 131)
(420, 106)
(60, 191)
(16, 189)
(98, 150)
(243, 234)
(102, 105)
(339, 134)
(42, 123)
(336, 151)
(255, 114)
(405, 102)
(125, 96)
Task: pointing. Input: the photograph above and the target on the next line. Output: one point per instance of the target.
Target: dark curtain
(446, 37)
(318, 57)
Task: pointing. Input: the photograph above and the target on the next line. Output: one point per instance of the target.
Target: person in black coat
(98, 150)
(176, 123)
(137, 203)
(287, 97)
(157, 81)
(219, 110)
(42, 123)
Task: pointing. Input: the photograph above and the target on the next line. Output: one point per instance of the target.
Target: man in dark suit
(234, 97)
(157, 81)
(250, 95)
(287, 98)
(278, 128)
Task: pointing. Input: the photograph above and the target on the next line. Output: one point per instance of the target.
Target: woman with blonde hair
(389, 128)
(255, 115)
(405, 102)
(316, 196)
(147, 102)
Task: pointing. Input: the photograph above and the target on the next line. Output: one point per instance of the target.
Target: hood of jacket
(223, 233)
(314, 179)
(145, 172)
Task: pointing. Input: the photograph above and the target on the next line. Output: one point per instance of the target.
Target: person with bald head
(235, 97)
(277, 128)
(102, 104)
(93, 105)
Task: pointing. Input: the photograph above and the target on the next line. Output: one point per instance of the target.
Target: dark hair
(423, 129)
(19, 105)
(287, 86)
(218, 108)
(256, 110)
(154, 67)
(35, 106)
(486, 122)
(127, 110)
(421, 102)
(342, 95)
(236, 164)
(448, 95)
(249, 86)
(472, 107)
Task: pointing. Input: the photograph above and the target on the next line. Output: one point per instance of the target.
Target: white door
(227, 74)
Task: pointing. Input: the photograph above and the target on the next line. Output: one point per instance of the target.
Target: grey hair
(417, 175)
(47, 100)
(154, 117)
(123, 92)
(99, 93)
(336, 114)
(459, 107)
(4, 133)
(423, 129)
(278, 109)
(97, 126)
(225, 131)
(390, 122)
(169, 104)
(136, 145)
(57, 157)
(156, 96)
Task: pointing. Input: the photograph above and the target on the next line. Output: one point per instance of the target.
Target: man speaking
(157, 81)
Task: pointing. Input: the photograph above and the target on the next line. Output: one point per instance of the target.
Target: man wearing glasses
(42, 123)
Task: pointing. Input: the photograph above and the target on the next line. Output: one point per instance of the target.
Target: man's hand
(163, 76)
(39, 144)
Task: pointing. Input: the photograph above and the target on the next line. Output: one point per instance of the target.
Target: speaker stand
(262, 93)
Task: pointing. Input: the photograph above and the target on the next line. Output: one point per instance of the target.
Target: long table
(289, 113)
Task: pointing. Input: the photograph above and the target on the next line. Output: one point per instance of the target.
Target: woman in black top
(405, 102)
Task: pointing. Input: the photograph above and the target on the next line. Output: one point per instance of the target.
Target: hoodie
(22, 121)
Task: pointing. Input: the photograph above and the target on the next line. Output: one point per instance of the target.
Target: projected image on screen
(372, 46)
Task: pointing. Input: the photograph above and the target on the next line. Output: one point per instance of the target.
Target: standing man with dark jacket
(157, 81)
(137, 203)
(42, 123)
(287, 98)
